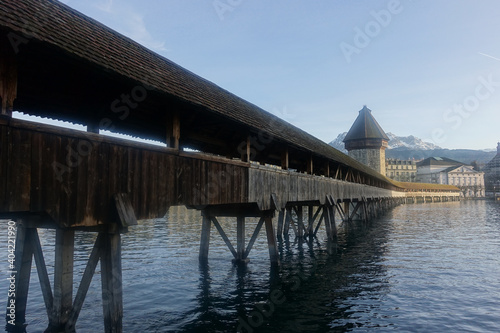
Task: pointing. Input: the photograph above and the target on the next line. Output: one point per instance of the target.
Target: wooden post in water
(271, 241)
(310, 224)
(111, 278)
(240, 240)
(347, 215)
(205, 238)
(281, 220)
(288, 218)
(300, 223)
(332, 221)
(63, 278)
(328, 226)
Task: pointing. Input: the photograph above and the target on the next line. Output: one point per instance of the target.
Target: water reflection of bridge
(57, 63)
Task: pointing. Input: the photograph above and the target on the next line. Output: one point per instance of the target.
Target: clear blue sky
(427, 68)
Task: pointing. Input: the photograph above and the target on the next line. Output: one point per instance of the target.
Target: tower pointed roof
(494, 164)
(365, 127)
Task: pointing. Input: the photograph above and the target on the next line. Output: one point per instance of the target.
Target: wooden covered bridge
(222, 155)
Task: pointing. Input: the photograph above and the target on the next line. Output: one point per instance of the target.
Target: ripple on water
(420, 268)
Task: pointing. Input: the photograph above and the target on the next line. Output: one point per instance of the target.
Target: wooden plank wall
(295, 187)
(73, 176)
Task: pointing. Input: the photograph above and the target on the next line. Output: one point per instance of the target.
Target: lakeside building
(401, 170)
(442, 170)
(492, 173)
(366, 141)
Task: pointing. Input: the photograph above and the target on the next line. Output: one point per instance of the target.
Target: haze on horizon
(428, 69)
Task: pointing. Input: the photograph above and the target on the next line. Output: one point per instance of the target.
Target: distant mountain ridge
(410, 142)
(411, 147)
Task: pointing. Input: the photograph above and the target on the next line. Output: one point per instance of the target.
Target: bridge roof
(425, 186)
(73, 68)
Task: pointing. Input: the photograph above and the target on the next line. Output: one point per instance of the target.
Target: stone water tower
(366, 141)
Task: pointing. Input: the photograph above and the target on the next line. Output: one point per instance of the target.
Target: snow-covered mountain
(338, 143)
(409, 142)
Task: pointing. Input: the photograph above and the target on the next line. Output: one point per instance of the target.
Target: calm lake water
(419, 268)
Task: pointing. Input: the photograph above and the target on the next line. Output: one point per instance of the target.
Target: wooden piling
(271, 241)
(205, 238)
(85, 282)
(347, 216)
(281, 218)
(240, 240)
(300, 222)
(111, 277)
(63, 276)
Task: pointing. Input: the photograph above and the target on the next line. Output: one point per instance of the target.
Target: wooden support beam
(125, 210)
(253, 238)
(111, 277)
(328, 225)
(327, 169)
(281, 220)
(63, 277)
(43, 276)
(340, 210)
(331, 228)
(365, 211)
(332, 221)
(338, 173)
(173, 130)
(224, 236)
(319, 223)
(300, 222)
(356, 208)
(240, 238)
(205, 238)
(93, 127)
(85, 283)
(310, 223)
(310, 166)
(294, 227)
(8, 78)
(271, 241)
(288, 220)
(284, 159)
(347, 215)
(247, 156)
(312, 218)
